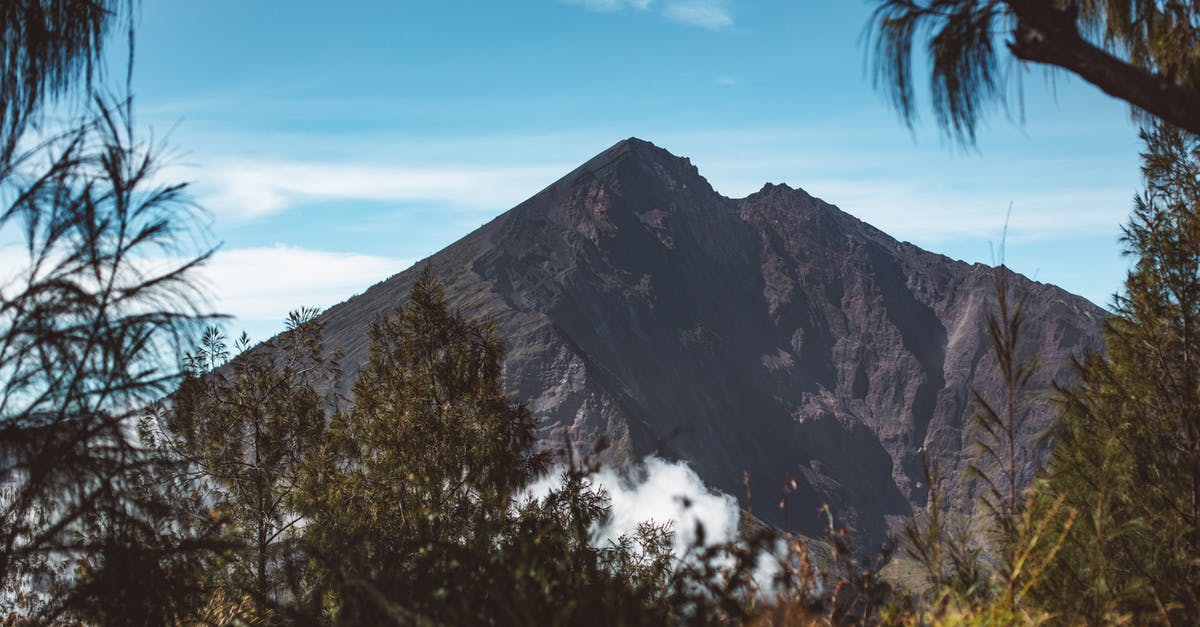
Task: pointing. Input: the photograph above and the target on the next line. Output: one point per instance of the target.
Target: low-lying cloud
(663, 492)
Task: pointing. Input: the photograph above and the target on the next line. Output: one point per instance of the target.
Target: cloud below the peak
(656, 491)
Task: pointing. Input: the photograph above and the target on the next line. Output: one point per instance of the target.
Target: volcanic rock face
(773, 335)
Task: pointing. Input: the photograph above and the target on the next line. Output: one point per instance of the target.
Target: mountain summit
(772, 335)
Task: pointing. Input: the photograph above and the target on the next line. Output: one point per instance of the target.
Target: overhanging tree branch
(1048, 35)
(1144, 52)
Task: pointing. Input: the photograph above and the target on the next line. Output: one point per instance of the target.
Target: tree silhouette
(95, 304)
(1127, 455)
(48, 49)
(244, 427)
(1141, 51)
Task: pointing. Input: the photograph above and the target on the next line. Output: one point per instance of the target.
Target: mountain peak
(640, 150)
(640, 165)
(770, 187)
(637, 142)
(771, 337)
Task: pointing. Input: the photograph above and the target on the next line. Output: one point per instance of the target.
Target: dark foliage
(1128, 450)
(89, 324)
(48, 48)
(242, 428)
(1141, 51)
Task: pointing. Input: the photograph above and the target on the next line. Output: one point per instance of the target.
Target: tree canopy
(1140, 51)
(1127, 455)
(48, 48)
(91, 320)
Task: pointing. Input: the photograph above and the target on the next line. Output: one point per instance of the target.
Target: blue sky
(335, 144)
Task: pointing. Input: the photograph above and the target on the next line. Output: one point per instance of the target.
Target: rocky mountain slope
(773, 335)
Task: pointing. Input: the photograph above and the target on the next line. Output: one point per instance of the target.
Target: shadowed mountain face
(774, 336)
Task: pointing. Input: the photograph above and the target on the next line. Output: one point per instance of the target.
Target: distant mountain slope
(773, 334)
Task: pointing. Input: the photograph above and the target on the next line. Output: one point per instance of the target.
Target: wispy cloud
(438, 190)
(710, 14)
(257, 286)
(248, 189)
(611, 5)
(263, 284)
(938, 215)
(1052, 198)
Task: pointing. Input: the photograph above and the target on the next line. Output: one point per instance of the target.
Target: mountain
(772, 335)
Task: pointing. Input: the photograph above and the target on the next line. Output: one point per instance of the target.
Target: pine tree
(1000, 459)
(1127, 455)
(244, 426)
(417, 479)
(85, 323)
(416, 512)
(91, 522)
(1140, 51)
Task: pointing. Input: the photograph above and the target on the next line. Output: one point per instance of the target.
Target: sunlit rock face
(772, 335)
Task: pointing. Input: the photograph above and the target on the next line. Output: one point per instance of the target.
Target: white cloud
(611, 5)
(14, 268)
(929, 216)
(256, 286)
(710, 14)
(660, 491)
(663, 492)
(264, 284)
(248, 189)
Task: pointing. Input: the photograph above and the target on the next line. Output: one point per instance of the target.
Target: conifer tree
(90, 321)
(415, 510)
(1127, 455)
(416, 480)
(1140, 51)
(103, 294)
(244, 426)
(1000, 459)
